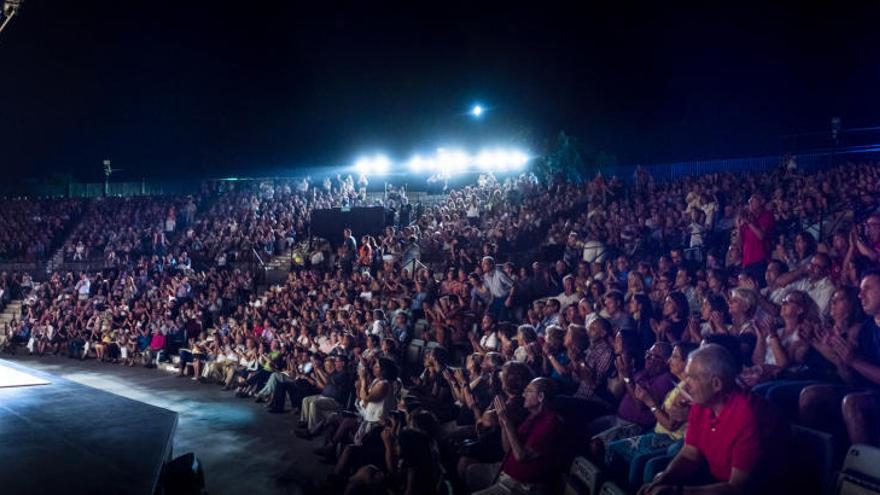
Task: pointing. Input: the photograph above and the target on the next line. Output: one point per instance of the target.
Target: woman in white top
(778, 349)
(787, 347)
(487, 341)
(377, 397)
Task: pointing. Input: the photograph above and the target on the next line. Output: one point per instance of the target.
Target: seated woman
(671, 417)
(247, 363)
(377, 397)
(819, 404)
(633, 417)
(714, 318)
(470, 388)
(782, 349)
(484, 445)
(742, 305)
(411, 464)
(675, 318)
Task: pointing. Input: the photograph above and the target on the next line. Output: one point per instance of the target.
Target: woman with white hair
(742, 305)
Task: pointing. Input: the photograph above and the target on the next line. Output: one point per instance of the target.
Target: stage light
(517, 159)
(452, 161)
(381, 164)
(485, 160)
(363, 166)
(375, 165)
(416, 164)
(447, 161)
(477, 111)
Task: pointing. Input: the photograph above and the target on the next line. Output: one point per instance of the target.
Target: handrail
(415, 263)
(258, 258)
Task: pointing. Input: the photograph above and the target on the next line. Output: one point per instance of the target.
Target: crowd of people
(30, 228)
(513, 326)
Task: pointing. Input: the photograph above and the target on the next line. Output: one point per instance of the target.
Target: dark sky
(219, 88)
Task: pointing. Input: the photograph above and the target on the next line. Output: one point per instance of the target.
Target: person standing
(755, 227)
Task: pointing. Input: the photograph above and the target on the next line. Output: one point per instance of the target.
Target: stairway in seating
(57, 259)
(12, 310)
(280, 261)
(277, 268)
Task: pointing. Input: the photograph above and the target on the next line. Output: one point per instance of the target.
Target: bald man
(532, 463)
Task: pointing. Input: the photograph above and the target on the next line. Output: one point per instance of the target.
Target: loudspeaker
(183, 476)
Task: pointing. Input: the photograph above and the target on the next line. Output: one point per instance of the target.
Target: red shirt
(540, 434)
(736, 438)
(753, 248)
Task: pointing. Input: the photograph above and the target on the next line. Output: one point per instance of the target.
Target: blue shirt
(869, 344)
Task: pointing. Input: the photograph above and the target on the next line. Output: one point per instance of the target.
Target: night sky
(211, 89)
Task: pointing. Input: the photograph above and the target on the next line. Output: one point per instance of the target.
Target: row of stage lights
(448, 162)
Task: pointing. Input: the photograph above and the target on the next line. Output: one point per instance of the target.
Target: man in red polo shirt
(730, 434)
(533, 449)
(755, 234)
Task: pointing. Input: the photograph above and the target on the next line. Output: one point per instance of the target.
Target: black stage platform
(63, 437)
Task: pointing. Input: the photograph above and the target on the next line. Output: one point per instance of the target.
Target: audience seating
(860, 474)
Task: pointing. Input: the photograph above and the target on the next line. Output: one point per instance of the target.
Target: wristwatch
(654, 408)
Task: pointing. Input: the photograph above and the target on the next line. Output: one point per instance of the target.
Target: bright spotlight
(376, 165)
(362, 166)
(416, 164)
(485, 160)
(519, 159)
(452, 161)
(381, 164)
(477, 111)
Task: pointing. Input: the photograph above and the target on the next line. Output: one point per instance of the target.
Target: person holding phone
(671, 415)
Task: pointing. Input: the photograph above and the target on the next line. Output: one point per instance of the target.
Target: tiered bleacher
(717, 333)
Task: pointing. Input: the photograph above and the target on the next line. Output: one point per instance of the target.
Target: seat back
(611, 488)
(860, 474)
(587, 474)
(812, 463)
(414, 351)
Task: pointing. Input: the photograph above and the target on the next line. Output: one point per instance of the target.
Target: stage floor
(11, 377)
(243, 449)
(64, 437)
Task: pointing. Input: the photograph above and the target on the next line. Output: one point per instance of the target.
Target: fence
(808, 161)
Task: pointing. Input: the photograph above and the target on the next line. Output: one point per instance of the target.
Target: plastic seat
(860, 474)
(813, 459)
(587, 474)
(414, 351)
(611, 488)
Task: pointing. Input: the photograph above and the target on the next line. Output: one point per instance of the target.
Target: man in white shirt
(499, 284)
(568, 296)
(813, 279)
(83, 287)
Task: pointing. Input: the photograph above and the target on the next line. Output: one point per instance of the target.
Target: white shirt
(820, 291)
(84, 286)
(490, 341)
(566, 300)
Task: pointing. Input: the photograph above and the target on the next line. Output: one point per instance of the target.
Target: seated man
(532, 463)
(814, 279)
(333, 397)
(731, 435)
